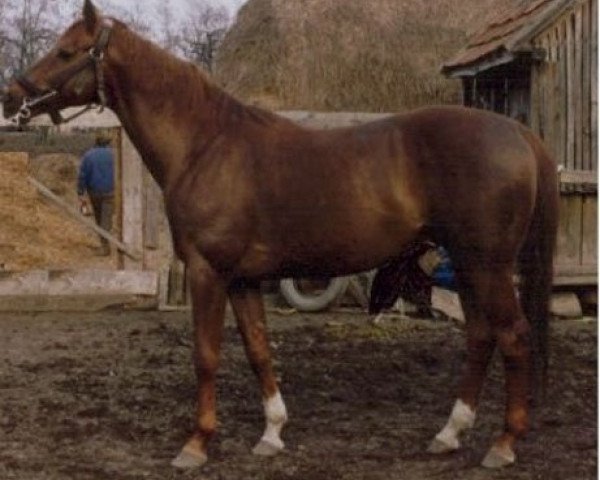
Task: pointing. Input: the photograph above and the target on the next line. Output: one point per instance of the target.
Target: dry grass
(35, 234)
(380, 55)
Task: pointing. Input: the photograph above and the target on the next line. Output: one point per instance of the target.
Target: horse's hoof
(498, 457)
(266, 449)
(187, 460)
(443, 445)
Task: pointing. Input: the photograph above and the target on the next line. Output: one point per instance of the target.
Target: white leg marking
(461, 418)
(276, 416)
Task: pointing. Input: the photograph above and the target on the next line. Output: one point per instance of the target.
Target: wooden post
(546, 88)
(568, 251)
(177, 283)
(578, 87)
(586, 89)
(534, 116)
(117, 146)
(132, 188)
(152, 212)
(557, 96)
(570, 160)
(594, 84)
(589, 237)
(561, 95)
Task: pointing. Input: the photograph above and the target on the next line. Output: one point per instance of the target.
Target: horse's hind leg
(494, 317)
(511, 331)
(480, 347)
(248, 307)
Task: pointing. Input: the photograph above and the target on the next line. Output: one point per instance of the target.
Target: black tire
(309, 302)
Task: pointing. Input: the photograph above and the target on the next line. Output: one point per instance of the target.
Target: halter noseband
(37, 95)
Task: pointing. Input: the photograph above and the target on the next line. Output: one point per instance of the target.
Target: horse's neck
(163, 105)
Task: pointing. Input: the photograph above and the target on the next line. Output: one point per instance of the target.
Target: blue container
(443, 275)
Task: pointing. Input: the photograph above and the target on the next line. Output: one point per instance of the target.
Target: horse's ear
(90, 15)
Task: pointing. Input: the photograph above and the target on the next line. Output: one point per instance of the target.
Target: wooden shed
(538, 63)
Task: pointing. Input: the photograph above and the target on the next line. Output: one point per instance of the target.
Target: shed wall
(564, 109)
(564, 93)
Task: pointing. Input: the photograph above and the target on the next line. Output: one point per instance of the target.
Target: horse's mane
(165, 72)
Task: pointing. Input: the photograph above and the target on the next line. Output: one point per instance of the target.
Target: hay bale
(35, 234)
(381, 55)
(58, 172)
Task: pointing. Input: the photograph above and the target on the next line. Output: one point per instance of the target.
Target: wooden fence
(564, 112)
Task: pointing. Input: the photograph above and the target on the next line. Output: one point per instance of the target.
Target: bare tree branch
(203, 31)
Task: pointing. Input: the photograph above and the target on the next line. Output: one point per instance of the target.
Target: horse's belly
(329, 249)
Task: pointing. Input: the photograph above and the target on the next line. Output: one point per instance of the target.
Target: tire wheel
(312, 300)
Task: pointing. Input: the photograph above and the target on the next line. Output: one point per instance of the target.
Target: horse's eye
(65, 54)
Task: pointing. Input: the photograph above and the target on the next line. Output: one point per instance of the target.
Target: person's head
(102, 139)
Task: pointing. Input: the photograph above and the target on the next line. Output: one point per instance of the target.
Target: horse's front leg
(247, 303)
(208, 306)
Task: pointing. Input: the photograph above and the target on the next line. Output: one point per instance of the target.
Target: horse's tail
(536, 260)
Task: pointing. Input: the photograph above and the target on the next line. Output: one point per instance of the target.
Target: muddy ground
(111, 396)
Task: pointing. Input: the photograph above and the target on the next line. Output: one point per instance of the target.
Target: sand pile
(380, 55)
(33, 232)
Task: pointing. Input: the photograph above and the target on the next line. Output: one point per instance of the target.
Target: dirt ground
(111, 396)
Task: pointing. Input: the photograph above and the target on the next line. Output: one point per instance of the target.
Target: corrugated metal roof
(504, 35)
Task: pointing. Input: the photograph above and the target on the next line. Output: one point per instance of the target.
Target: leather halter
(94, 59)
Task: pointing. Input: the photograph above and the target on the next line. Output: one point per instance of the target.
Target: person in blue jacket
(96, 179)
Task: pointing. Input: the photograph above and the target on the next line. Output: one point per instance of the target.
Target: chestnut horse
(251, 196)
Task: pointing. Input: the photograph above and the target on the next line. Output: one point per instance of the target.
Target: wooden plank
(552, 73)
(575, 270)
(594, 84)
(545, 96)
(102, 282)
(541, 100)
(586, 88)
(132, 188)
(177, 283)
(76, 290)
(74, 303)
(30, 282)
(85, 221)
(568, 251)
(554, 92)
(560, 95)
(534, 117)
(117, 145)
(570, 154)
(589, 248)
(578, 87)
(578, 176)
(575, 280)
(78, 282)
(537, 84)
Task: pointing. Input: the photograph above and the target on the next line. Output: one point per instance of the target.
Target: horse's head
(71, 74)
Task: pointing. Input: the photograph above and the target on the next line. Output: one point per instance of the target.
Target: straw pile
(380, 55)
(35, 234)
